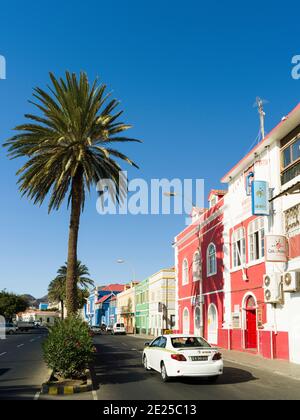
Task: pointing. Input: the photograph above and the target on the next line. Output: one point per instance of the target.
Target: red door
(251, 336)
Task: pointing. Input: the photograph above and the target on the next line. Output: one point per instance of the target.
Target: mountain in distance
(33, 302)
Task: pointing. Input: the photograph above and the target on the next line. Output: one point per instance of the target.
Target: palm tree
(68, 152)
(57, 293)
(57, 288)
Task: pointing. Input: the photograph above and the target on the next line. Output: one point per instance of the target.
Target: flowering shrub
(69, 348)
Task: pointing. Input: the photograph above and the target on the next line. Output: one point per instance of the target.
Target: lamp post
(122, 261)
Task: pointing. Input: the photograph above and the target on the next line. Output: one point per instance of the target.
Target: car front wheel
(163, 372)
(145, 363)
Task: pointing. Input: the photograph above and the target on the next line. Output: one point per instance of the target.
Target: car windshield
(188, 342)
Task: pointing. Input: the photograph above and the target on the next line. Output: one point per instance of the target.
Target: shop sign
(260, 198)
(276, 248)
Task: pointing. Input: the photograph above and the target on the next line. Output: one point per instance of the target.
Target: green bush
(69, 348)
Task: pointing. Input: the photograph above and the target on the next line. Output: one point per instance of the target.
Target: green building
(142, 307)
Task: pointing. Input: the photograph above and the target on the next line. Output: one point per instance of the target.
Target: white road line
(2, 354)
(95, 396)
(32, 340)
(37, 396)
(20, 345)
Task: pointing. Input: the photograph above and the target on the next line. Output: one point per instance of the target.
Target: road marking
(20, 345)
(37, 396)
(2, 354)
(32, 340)
(95, 396)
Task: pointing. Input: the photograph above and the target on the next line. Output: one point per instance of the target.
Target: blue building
(97, 308)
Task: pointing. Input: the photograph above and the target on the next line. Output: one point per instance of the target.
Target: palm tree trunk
(71, 286)
(62, 309)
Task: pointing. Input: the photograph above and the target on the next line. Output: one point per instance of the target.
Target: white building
(261, 317)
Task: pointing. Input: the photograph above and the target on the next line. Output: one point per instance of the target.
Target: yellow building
(162, 301)
(126, 306)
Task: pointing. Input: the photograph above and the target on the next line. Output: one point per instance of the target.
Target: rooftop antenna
(260, 106)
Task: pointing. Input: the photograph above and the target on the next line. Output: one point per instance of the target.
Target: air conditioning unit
(272, 288)
(291, 281)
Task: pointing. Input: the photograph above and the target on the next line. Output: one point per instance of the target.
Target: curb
(67, 390)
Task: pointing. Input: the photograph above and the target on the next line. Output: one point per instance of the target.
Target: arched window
(196, 266)
(185, 272)
(186, 321)
(211, 260)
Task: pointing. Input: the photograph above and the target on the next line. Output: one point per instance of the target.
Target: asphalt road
(119, 375)
(22, 369)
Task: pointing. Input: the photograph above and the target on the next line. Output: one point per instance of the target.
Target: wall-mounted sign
(260, 198)
(276, 248)
(259, 317)
(236, 320)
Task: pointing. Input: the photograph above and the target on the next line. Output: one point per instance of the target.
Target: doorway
(251, 324)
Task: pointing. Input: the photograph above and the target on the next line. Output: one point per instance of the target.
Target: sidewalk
(145, 337)
(279, 367)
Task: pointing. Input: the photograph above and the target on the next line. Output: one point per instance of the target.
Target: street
(118, 374)
(22, 369)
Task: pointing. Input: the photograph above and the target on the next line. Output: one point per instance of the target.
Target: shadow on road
(230, 376)
(25, 392)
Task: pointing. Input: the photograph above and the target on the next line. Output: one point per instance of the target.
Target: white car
(118, 328)
(183, 355)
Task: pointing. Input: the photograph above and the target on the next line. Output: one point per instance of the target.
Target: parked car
(109, 328)
(118, 328)
(96, 330)
(182, 355)
(25, 326)
(10, 328)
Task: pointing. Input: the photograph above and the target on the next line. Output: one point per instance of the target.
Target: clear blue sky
(187, 74)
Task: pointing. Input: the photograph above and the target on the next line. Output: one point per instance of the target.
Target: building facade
(200, 273)
(97, 305)
(43, 317)
(162, 301)
(248, 295)
(126, 306)
(142, 307)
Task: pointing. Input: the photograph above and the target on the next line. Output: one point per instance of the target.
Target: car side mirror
(147, 344)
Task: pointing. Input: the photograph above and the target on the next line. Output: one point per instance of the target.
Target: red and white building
(237, 307)
(200, 273)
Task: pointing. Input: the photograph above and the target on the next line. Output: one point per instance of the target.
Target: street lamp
(175, 194)
(121, 261)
